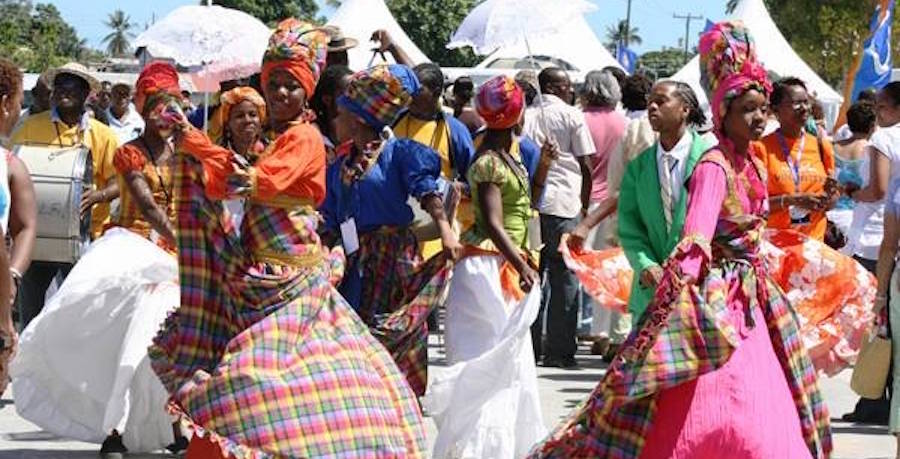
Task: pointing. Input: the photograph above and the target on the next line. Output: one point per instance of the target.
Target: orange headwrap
(229, 99)
(156, 79)
(300, 49)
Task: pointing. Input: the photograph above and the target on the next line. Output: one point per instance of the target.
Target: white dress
(486, 404)
(82, 368)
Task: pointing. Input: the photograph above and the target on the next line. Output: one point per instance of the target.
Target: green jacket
(642, 223)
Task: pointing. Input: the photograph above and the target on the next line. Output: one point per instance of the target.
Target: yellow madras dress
(264, 357)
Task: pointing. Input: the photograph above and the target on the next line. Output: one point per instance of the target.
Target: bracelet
(880, 297)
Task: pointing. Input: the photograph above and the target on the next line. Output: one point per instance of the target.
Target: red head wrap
(157, 78)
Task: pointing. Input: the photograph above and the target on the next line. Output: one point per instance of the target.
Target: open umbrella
(497, 23)
(218, 44)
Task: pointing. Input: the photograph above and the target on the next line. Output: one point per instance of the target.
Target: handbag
(872, 367)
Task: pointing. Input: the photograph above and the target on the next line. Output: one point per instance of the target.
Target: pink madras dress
(715, 367)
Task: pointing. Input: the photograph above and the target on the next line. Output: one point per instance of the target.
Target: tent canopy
(775, 53)
(359, 19)
(577, 45)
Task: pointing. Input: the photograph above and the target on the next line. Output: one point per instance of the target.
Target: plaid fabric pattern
(685, 334)
(380, 94)
(398, 294)
(269, 360)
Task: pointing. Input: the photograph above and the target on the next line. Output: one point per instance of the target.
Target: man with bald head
(566, 197)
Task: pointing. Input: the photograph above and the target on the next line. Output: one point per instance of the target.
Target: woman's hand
(452, 248)
(650, 277)
(528, 277)
(577, 236)
(549, 152)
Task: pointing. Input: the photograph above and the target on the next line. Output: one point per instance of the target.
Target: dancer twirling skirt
(715, 365)
(486, 404)
(264, 357)
(386, 280)
(82, 370)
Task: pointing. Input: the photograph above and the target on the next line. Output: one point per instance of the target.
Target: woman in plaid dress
(715, 366)
(366, 212)
(264, 357)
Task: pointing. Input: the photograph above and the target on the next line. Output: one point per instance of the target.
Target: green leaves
(272, 11)
(37, 37)
(430, 24)
(118, 42)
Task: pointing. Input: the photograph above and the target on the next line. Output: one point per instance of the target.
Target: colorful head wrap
(500, 102)
(729, 67)
(381, 94)
(229, 99)
(299, 48)
(157, 83)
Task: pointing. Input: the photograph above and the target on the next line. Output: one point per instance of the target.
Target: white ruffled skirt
(82, 368)
(486, 404)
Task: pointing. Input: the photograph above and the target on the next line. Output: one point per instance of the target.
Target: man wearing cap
(67, 124)
(123, 118)
(338, 45)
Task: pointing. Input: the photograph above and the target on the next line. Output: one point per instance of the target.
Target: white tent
(577, 45)
(774, 52)
(359, 19)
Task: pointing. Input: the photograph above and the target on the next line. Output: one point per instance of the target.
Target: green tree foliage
(826, 34)
(618, 34)
(36, 37)
(272, 11)
(663, 63)
(118, 42)
(430, 24)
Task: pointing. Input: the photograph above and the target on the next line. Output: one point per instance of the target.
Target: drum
(60, 176)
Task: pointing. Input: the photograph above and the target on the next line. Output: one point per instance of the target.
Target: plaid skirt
(268, 360)
(394, 292)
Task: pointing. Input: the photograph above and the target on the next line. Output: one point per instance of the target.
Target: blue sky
(652, 17)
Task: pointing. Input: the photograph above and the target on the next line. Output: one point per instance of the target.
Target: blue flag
(626, 57)
(875, 66)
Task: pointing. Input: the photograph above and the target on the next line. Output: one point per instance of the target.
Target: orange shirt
(293, 165)
(814, 166)
(161, 181)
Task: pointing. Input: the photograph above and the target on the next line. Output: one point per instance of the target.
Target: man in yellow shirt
(427, 124)
(67, 124)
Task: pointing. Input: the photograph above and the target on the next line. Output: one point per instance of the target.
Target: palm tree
(621, 34)
(118, 42)
(730, 6)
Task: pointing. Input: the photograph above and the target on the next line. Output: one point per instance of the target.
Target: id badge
(349, 237)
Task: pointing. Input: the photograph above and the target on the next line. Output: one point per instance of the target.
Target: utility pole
(687, 31)
(627, 25)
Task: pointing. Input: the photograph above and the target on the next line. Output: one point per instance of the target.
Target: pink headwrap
(729, 67)
(500, 102)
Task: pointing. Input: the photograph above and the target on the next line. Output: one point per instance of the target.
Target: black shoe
(180, 444)
(880, 419)
(567, 363)
(112, 447)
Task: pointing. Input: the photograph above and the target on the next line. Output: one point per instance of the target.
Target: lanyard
(793, 166)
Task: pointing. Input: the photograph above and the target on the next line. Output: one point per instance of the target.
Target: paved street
(561, 390)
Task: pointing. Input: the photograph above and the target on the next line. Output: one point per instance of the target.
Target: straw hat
(337, 40)
(77, 70)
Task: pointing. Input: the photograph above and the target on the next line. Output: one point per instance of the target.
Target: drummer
(68, 124)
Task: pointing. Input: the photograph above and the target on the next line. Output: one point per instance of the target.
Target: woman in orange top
(800, 165)
(264, 356)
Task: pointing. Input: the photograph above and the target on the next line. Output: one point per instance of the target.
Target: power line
(687, 30)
